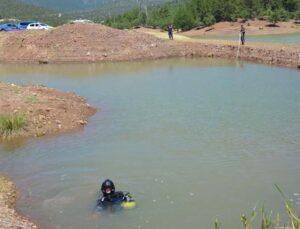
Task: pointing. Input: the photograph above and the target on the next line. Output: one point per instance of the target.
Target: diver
(112, 199)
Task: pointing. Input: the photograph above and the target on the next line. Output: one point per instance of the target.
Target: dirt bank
(78, 43)
(280, 55)
(98, 43)
(9, 218)
(253, 27)
(46, 110)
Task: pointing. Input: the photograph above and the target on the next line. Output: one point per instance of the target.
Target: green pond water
(192, 140)
(293, 38)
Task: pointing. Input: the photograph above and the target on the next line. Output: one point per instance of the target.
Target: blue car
(23, 24)
(8, 27)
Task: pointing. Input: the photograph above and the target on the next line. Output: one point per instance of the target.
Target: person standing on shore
(170, 31)
(243, 31)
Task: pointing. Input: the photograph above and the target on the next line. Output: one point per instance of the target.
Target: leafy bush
(283, 15)
(274, 17)
(183, 19)
(209, 20)
(160, 17)
(297, 16)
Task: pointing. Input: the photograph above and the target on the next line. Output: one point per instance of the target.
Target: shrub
(274, 17)
(209, 20)
(183, 19)
(283, 15)
(297, 16)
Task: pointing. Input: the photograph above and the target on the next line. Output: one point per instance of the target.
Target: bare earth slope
(98, 43)
(79, 43)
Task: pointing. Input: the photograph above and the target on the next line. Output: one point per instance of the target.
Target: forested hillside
(100, 9)
(18, 9)
(191, 13)
(84, 5)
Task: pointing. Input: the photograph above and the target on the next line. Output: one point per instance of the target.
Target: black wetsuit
(114, 200)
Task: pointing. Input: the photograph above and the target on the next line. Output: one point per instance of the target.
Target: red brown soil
(98, 43)
(253, 27)
(9, 218)
(78, 43)
(47, 111)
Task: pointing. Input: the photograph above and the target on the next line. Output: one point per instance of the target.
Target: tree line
(192, 13)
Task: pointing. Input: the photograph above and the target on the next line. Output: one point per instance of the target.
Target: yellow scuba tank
(128, 204)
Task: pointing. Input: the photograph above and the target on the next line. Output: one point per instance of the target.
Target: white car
(38, 25)
(81, 21)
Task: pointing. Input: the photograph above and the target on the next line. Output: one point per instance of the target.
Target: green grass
(267, 221)
(32, 99)
(12, 124)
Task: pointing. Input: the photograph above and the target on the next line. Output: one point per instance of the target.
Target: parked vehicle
(81, 21)
(8, 27)
(23, 24)
(38, 25)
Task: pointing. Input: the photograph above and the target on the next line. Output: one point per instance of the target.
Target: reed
(11, 124)
(267, 221)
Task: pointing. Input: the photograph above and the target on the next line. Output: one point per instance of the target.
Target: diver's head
(108, 188)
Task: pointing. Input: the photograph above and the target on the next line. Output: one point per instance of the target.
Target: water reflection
(83, 70)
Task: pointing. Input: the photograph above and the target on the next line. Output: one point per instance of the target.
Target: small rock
(58, 122)
(88, 53)
(210, 54)
(40, 134)
(59, 126)
(42, 117)
(43, 62)
(82, 122)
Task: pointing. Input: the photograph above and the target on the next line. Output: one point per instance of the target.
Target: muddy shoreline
(9, 218)
(93, 43)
